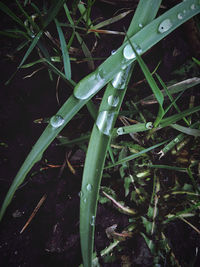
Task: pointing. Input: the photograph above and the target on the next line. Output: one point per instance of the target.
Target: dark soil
(52, 238)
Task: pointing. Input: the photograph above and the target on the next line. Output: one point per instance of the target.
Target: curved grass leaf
(95, 158)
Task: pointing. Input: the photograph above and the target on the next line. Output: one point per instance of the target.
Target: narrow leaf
(66, 60)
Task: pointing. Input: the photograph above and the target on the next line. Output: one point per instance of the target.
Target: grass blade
(134, 156)
(31, 47)
(186, 130)
(174, 118)
(98, 145)
(111, 20)
(66, 60)
(156, 90)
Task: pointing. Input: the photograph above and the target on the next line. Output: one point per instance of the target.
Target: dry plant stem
(34, 212)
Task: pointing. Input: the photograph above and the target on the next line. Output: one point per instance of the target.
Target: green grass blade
(152, 83)
(95, 158)
(134, 156)
(139, 127)
(111, 20)
(31, 47)
(86, 51)
(66, 60)
(170, 97)
(186, 130)
(174, 118)
(175, 88)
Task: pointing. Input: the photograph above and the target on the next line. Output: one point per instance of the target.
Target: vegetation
(156, 193)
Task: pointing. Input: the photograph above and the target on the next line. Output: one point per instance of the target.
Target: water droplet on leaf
(113, 101)
(104, 121)
(165, 25)
(90, 85)
(92, 221)
(193, 6)
(56, 121)
(128, 52)
(120, 131)
(149, 125)
(118, 81)
(140, 25)
(89, 187)
(180, 16)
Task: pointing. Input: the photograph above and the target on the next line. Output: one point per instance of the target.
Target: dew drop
(118, 81)
(92, 221)
(56, 121)
(149, 125)
(120, 131)
(180, 16)
(81, 194)
(104, 121)
(84, 200)
(89, 187)
(83, 91)
(124, 67)
(193, 6)
(113, 101)
(165, 25)
(113, 52)
(140, 25)
(128, 52)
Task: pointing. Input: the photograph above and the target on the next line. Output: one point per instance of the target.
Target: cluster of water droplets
(84, 192)
(56, 121)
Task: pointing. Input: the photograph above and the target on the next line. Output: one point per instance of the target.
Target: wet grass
(157, 187)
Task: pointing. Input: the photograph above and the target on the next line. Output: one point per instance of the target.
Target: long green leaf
(98, 145)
